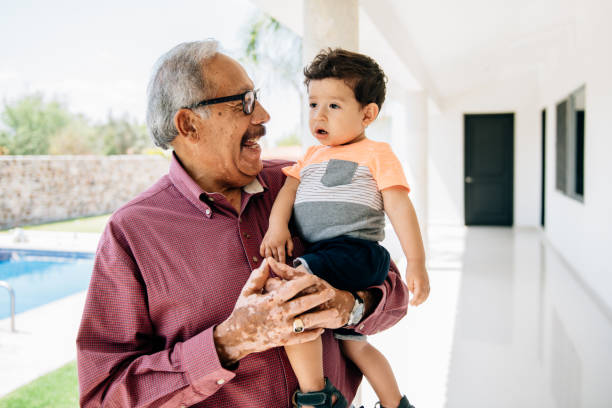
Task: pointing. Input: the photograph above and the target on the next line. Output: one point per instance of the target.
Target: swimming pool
(40, 277)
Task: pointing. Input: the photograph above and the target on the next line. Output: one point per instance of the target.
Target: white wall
(516, 95)
(582, 232)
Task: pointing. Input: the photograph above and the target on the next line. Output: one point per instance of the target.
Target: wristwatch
(357, 313)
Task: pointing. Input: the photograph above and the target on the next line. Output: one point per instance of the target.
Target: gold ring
(298, 325)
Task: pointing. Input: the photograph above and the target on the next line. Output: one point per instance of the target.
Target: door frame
(543, 207)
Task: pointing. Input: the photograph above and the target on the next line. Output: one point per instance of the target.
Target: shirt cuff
(367, 325)
(201, 364)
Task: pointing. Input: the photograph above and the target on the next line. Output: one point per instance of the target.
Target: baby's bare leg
(377, 370)
(307, 362)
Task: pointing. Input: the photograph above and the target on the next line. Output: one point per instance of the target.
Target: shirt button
(211, 199)
(207, 211)
(361, 327)
(247, 235)
(221, 381)
(255, 259)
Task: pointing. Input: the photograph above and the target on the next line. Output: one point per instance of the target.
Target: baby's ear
(370, 112)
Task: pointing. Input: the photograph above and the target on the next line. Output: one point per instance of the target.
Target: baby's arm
(278, 235)
(404, 220)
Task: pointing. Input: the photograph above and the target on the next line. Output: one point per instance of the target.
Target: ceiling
(450, 47)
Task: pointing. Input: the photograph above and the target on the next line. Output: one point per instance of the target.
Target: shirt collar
(254, 186)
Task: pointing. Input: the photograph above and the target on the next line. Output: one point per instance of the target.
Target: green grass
(87, 224)
(58, 389)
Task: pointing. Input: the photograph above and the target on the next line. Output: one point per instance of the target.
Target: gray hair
(176, 82)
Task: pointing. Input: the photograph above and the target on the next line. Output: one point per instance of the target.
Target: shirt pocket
(338, 173)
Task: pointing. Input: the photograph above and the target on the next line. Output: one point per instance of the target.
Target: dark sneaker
(404, 403)
(320, 399)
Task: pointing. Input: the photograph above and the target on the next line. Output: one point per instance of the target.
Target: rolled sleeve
(392, 307)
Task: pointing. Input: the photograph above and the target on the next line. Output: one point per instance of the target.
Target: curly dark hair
(360, 72)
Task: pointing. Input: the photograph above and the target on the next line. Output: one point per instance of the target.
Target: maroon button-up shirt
(169, 267)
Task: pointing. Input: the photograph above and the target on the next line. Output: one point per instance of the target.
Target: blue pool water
(40, 277)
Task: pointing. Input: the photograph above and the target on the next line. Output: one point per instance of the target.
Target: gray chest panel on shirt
(338, 197)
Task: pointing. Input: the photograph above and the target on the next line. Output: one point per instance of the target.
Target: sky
(96, 57)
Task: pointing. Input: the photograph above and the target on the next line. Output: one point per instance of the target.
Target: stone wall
(37, 189)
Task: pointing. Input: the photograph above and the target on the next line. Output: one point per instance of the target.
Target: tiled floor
(507, 324)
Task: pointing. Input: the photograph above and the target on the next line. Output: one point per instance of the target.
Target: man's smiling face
(228, 148)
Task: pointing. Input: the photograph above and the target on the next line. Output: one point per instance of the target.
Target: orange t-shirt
(339, 191)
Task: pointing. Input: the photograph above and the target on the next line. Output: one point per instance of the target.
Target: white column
(330, 23)
(327, 23)
(409, 141)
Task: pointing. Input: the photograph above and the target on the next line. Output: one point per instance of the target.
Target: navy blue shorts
(348, 263)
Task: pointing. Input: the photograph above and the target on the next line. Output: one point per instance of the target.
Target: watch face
(356, 313)
(359, 312)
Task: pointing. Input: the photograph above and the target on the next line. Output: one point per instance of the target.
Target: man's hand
(263, 319)
(417, 281)
(331, 314)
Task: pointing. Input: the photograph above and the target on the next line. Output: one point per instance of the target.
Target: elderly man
(181, 310)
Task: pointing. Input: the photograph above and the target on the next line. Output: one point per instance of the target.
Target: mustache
(255, 131)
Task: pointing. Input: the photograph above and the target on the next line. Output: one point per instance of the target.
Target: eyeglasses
(248, 99)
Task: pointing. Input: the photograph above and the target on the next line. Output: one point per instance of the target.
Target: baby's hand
(274, 243)
(418, 282)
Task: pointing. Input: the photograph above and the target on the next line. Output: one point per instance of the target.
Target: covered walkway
(508, 324)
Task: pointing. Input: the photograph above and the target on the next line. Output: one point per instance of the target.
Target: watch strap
(357, 305)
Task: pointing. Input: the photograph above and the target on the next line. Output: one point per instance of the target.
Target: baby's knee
(352, 347)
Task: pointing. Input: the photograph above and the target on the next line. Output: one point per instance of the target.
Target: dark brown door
(489, 169)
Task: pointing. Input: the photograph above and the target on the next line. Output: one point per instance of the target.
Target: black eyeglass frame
(239, 97)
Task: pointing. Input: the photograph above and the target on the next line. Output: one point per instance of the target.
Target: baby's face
(336, 118)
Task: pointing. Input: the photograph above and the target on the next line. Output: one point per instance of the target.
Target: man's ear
(370, 112)
(184, 123)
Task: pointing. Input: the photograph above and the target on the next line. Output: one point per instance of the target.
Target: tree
(276, 52)
(32, 126)
(77, 137)
(30, 123)
(122, 136)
